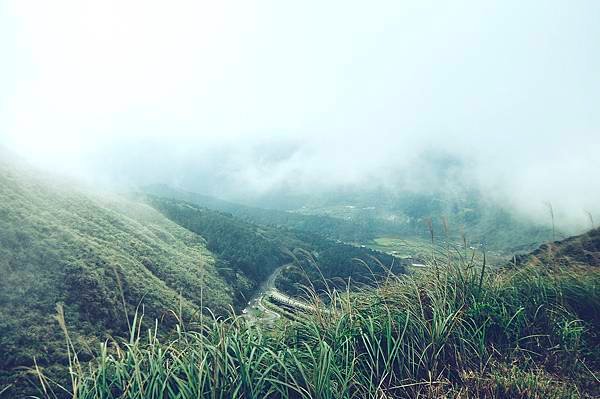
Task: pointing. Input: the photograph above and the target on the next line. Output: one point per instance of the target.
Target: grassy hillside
(452, 331)
(579, 250)
(100, 256)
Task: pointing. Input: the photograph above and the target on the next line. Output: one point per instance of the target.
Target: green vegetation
(104, 257)
(362, 217)
(255, 251)
(319, 224)
(243, 249)
(100, 256)
(583, 249)
(453, 330)
(419, 250)
(403, 247)
(145, 291)
(457, 214)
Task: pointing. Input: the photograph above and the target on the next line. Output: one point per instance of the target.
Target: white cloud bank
(310, 94)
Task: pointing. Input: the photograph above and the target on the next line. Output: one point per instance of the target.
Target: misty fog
(247, 100)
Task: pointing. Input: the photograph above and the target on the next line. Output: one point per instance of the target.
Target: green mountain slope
(362, 216)
(61, 244)
(580, 250)
(102, 257)
(410, 215)
(458, 330)
(325, 225)
(254, 251)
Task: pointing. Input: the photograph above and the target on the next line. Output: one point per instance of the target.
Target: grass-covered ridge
(99, 256)
(103, 257)
(453, 330)
(578, 250)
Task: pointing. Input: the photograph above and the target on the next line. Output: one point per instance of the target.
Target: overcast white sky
(316, 93)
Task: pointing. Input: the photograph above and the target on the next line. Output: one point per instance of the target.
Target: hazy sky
(308, 93)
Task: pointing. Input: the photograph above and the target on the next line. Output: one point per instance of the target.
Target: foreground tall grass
(448, 331)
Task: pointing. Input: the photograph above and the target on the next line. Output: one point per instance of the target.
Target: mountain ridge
(98, 255)
(579, 250)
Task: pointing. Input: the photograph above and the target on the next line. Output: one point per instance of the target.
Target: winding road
(257, 312)
(255, 304)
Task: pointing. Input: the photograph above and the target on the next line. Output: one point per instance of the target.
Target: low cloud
(243, 101)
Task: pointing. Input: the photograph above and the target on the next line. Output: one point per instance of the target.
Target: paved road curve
(266, 290)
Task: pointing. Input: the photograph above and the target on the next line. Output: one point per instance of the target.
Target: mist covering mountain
(248, 104)
(455, 206)
(325, 173)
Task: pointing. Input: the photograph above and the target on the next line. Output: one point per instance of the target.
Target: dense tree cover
(352, 231)
(242, 247)
(331, 264)
(451, 215)
(255, 251)
(360, 216)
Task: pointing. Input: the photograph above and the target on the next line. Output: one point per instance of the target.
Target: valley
(269, 304)
(105, 258)
(299, 199)
(256, 311)
(112, 265)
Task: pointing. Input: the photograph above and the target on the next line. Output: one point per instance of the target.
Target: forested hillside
(409, 214)
(361, 216)
(333, 227)
(256, 250)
